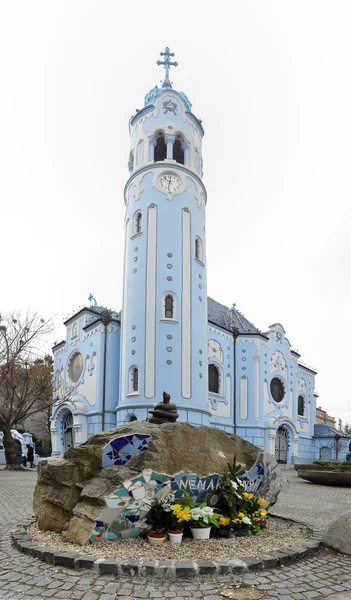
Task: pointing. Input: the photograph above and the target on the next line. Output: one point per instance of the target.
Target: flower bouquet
(243, 513)
(200, 517)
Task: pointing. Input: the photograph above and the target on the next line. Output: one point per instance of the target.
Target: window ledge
(200, 262)
(169, 321)
(215, 394)
(136, 235)
(133, 394)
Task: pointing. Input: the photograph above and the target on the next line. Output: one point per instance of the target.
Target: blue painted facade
(218, 367)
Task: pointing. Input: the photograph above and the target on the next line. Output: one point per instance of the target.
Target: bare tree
(26, 378)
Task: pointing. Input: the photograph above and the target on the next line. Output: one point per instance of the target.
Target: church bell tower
(164, 312)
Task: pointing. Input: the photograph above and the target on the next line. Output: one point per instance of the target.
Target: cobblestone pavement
(299, 498)
(25, 578)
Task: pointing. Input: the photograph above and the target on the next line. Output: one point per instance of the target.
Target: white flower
(235, 485)
(196, 513)
(207, 510)
(246, 521)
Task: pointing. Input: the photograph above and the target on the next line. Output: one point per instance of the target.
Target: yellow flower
(241, 515)
(224, 521)
(176, 508)
(263, 512)
(247, 495)
(183, 515)
(262, 501)
(236, 521)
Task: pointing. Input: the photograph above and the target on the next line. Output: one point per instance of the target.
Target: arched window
(133, 380)
(138, 222)
(301, 406)
(131, 161)
(178, 152)
(198, 249)
(169, 306)
(160, 148)
(213, 379)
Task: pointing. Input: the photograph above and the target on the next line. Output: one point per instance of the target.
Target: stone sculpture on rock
(164, 412)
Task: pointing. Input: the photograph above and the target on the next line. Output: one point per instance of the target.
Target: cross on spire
(167, 63)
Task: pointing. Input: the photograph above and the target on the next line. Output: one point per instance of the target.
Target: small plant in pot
(180, 516)
(201, 518)
(157, 523)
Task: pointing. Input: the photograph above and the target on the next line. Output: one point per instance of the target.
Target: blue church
(219, 369)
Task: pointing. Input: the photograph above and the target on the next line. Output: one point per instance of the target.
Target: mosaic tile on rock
(120, 450)
(128, 506)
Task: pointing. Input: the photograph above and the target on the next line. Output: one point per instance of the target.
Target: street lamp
(106, 317)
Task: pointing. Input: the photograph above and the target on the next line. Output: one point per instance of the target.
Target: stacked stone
(164, 412)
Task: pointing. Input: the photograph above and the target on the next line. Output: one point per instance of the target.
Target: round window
(277, 389)
(76, 367)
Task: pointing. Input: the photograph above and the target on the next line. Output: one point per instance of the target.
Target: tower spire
(167, 64)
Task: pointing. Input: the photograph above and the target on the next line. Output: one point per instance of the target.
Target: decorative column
(152, 144)
(186, 304)
(294, 450)
(77, 431)
(185, 148)
(55, 441)
(257, 359)
(271, 442)
(170, 139)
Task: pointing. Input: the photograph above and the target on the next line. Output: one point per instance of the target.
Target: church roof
(228, 318)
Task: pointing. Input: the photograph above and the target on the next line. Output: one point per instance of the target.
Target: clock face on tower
(169, 183)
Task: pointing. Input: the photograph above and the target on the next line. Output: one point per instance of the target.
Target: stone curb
(164, 569)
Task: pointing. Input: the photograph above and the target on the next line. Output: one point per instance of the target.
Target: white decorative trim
(244, 398)
(227, 336)
(254, 340)
(186, 304)
(228, 391)
(124, 313)
(150, 305)
(215, 350)
(257, 359)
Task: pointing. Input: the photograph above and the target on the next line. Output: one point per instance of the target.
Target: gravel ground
(279, 534)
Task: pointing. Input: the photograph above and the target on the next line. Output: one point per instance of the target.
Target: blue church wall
(78, 371)
(259, 359)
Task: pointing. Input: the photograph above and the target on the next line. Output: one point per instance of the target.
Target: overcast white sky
(271, 81)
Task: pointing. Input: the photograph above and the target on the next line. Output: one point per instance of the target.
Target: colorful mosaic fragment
(120, 450)
(127, 507)
(198, 487)
(261, 478)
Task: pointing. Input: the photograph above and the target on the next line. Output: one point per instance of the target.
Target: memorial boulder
(105, 487)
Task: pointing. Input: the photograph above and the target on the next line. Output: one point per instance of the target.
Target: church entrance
(281, 445)
(68, 431)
